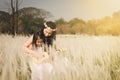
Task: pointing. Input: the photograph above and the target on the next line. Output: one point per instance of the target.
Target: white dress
(40, 70)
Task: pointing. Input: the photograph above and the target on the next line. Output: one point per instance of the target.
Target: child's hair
(35, 37)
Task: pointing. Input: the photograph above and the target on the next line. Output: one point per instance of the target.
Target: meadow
(88, 58)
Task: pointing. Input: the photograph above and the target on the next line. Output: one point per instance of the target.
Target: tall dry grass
(88, 58)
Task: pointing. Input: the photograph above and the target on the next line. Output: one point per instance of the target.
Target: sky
(69, 9)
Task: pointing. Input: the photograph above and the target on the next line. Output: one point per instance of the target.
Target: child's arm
(27, 47)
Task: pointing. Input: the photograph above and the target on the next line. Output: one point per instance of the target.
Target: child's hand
(35, 59)
(44, 58)
(45, 55)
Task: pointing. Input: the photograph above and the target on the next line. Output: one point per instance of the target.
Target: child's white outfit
(39, 70)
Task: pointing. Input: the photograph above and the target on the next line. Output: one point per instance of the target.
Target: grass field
(89, 58)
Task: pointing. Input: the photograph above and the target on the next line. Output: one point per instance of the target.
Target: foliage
(105, 26)
(29, 20)
(4, 22)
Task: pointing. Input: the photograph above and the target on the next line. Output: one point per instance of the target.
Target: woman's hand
(61, 50)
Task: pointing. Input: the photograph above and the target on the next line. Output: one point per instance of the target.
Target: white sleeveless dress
(38, 71)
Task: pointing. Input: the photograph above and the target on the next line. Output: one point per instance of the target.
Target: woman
(38, 48)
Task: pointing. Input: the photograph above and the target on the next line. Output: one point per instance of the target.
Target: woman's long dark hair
(48, 40)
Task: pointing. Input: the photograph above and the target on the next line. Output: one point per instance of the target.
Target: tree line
(108, 25)
(28, 20)
(21, 21)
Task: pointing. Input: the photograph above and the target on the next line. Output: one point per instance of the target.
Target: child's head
(37, 41)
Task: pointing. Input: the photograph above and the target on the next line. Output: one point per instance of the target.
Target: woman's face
(47, 32)
(38, 42)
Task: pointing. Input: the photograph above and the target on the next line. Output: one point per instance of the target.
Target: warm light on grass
(84, 58)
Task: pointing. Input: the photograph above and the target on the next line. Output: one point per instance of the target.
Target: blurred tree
(14, 4)
(4, 22)
(31, 19)
(12, 10)
(60, 21)
(34, 12)
(91, 26)
(116, 14)
(75, 21)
